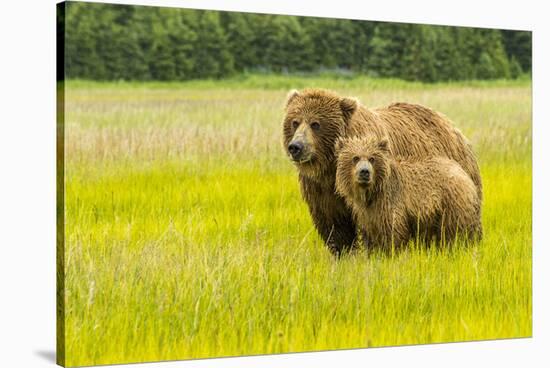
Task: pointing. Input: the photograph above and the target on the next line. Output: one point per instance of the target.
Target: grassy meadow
(186, 236)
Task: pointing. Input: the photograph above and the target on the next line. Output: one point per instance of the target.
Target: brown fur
(432, 199)
(413, 131)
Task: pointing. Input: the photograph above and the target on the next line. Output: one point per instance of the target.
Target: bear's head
(362, 167)
(314, 120)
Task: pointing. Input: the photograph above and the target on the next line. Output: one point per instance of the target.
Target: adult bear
(315, 119)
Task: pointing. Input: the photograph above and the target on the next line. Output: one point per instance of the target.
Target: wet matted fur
(319, 117)
(402, 199)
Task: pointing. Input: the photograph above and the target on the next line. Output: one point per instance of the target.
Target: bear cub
(397, 200)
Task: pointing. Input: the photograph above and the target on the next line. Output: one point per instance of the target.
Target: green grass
(281, 81)
(186, 236)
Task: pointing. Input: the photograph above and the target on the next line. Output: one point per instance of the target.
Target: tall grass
(186, 236)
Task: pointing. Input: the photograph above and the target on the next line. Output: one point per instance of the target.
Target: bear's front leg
(332, 218)
(342, 235)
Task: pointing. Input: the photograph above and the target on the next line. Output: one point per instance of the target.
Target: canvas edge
(60, 184)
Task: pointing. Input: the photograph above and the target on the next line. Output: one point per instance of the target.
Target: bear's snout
(295, 148)
(299, 151)
(363, 172)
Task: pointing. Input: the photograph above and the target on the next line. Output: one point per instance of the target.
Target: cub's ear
(338, 145)
(384, 145)
(348, 106)
(291, 96)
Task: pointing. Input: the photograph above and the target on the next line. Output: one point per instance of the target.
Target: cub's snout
(363, 172)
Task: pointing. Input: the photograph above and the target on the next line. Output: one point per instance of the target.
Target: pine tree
(498, 54)
(289, 45)
(382, 47)
(82, 59)
(334, 42)
(419, 59)
(515, 68)
(518, 45)
(133, 65)
(240, 39)
(362, 34)
(212, 56)
(486, 69)
(162, 66)
(182, 40)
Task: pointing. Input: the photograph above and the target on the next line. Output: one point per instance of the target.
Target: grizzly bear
(396, 200)
(315, 119)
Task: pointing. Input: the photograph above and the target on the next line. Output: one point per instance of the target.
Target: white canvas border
(27, 188)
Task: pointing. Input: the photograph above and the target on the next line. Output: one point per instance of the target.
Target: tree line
(113, 42)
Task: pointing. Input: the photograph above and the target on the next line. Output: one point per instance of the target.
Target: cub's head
(362, 166)
(313, 121)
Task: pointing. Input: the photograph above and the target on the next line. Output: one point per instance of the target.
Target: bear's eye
(371, 160)
(295, 124)
(355, 159)
(315, 126)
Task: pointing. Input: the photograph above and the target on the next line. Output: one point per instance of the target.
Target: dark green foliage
(515, 68)
(485, 69)
(111, 42)
(421, 60)
(170, 45)
(288, 46)
(241, 39)
(334, 42)
(211, 52)
(518, 46)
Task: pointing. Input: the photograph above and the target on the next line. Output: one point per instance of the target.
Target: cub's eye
(295, 124)
(355, 159)
(315, 126)
(371, 160)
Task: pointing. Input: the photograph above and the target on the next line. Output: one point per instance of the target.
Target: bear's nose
(295, 148)
(364, 173)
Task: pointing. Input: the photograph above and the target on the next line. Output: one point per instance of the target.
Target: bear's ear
(291, 96)
(348, 106)
(384, 145)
